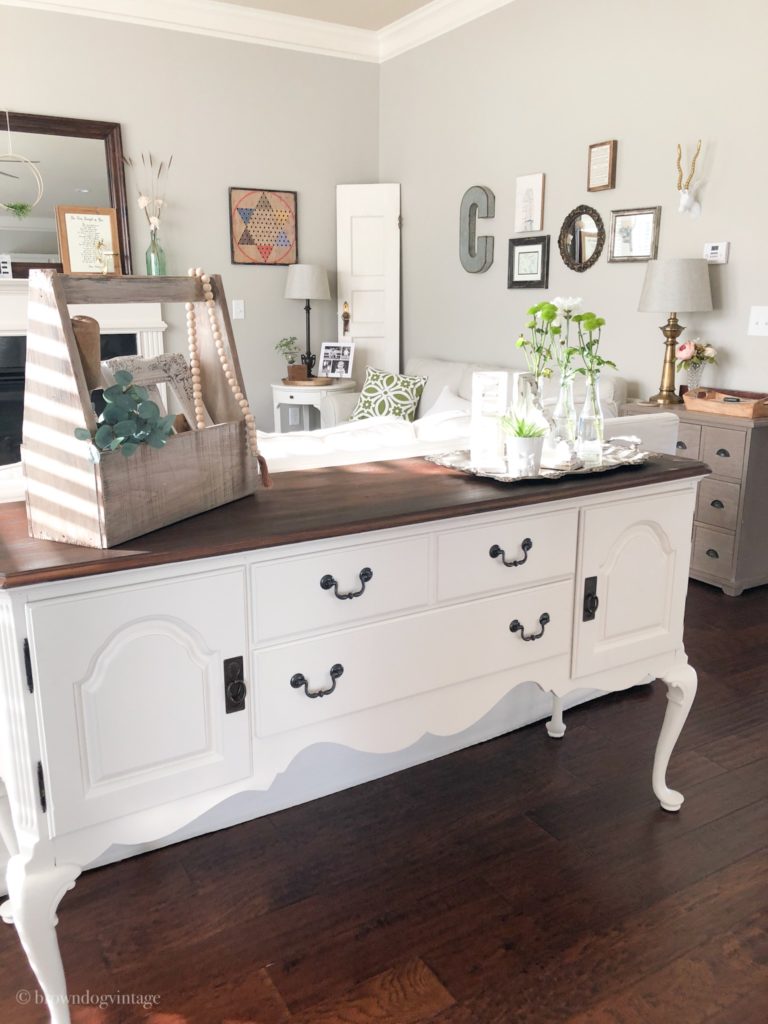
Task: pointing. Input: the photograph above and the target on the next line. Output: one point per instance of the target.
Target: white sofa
(433, 430)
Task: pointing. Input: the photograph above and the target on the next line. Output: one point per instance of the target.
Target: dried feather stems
(155, 174)
(689, 179)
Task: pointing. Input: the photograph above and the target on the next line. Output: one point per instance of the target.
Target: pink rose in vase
(686, 350)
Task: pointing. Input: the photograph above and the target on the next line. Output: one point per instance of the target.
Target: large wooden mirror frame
(109, 133)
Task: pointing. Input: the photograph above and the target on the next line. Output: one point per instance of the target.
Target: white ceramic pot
(524, 455)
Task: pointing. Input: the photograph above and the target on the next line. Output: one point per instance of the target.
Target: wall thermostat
(716, 252)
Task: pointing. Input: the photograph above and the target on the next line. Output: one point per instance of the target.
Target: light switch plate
(238, 309)
(758, 322)
(717, 252)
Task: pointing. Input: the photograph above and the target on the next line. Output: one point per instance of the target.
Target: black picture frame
(541, 280)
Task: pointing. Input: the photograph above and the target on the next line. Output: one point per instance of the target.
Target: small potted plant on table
(524, 443)
(288, 348)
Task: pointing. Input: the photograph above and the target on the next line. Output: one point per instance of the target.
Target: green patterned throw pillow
(388, 394)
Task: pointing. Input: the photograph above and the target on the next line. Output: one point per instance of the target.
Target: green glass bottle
(155, 256)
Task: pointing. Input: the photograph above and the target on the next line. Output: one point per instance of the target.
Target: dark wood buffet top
(309, 505)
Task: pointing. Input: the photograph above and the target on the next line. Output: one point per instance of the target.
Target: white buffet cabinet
(122, 723)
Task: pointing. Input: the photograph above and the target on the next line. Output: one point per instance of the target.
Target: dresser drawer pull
(716, 503)
(365, 576)
(723, 453)
(682, 446)
(517, 627)
(300, 680)
(234, 685)
(711, 553)
(526, 546)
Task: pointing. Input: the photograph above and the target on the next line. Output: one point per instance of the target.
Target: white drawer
(469, 563)
(289, 600)
(392, 660)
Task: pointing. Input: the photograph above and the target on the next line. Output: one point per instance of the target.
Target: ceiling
(368, 14)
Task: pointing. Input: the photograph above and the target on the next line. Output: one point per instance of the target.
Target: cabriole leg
(681, 689)
(8, 838)
(556, 725)
(35, 892)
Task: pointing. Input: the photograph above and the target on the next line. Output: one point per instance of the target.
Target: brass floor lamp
(681, 285)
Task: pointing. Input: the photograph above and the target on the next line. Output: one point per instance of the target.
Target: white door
(132, 690)
(368, 274)
(636, 554)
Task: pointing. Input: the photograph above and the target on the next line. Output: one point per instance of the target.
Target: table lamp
(306, 281)
(681, 285)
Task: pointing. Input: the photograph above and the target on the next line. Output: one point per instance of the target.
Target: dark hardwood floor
(522, 881)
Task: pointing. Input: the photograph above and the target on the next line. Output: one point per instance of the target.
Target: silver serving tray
(616, 454)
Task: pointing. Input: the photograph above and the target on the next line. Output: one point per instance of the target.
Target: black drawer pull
(497, 552)
(517, 627)
(328, 582)
(300, 680)
(716, 503)
(711, 553)
(723, 453)
(234, 685)
(682, 446)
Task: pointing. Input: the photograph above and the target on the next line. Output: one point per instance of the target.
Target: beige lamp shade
(679, 285)
(306, 281)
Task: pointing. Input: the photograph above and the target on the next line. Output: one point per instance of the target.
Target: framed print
(529, 202)
(634, 235)
(88, 240)
(262, 227)
(528, 262)
(601, 169)
(336, 358)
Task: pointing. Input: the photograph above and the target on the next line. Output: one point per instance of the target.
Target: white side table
(308, 397)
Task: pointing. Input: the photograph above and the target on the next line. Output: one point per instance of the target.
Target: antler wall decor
(688, 202)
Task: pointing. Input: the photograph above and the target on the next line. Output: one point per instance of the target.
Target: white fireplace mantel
(144, 319)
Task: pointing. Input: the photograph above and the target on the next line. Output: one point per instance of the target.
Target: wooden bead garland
(194, 362)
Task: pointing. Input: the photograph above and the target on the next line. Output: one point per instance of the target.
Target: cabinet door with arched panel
(135, 697)
(632, 582)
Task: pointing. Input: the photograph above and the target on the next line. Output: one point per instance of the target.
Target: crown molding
(429, 22)
(268, 28)
(224, 21)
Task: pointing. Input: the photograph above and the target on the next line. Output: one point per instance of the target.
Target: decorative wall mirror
(582, 238)
(634, 235)
(81, 164)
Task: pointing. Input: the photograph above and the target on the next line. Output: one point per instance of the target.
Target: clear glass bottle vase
(591, 425)
(155, 256)
(564, 417)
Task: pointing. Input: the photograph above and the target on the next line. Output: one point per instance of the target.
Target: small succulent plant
(128, 420)
(517, 427)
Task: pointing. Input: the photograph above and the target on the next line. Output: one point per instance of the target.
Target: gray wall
(524, 89)
(232, 114)
(527, 89)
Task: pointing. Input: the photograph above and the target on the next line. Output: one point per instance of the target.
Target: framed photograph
(601, 168)
(528, 262)
(529, 202)
(88, 240)
(634, 235)
(262, 227)
(336, 359)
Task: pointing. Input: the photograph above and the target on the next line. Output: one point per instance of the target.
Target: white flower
(143, 202)
(159, 203)
(710, 351)
(567, 305)
(154, 222)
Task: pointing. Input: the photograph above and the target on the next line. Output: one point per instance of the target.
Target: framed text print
(262, 227)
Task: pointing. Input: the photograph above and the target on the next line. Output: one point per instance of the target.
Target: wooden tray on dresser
(748, 405)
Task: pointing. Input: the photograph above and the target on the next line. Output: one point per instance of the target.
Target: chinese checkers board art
(262, 226)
